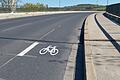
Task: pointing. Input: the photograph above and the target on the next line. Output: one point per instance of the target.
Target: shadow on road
(80, 72)
(112, 40)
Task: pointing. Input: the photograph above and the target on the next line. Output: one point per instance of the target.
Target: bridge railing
(113, 12)
(114, 9)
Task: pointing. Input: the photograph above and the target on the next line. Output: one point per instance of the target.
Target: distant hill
(86, 7)
(30, 7)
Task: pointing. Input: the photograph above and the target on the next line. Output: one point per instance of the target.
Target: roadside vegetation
(30, 7)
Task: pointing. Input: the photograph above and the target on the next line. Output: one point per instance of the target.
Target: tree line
(32, 7)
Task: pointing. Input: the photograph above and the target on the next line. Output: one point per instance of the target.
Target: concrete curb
(90, 72)
(101, 42)
(113, 17)
(70, 69)
(27, 14)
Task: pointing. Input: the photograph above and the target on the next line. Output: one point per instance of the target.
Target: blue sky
(55, 3)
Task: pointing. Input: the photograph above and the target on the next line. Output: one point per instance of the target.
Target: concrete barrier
(112, 17)
(27, 14)
(102, 48)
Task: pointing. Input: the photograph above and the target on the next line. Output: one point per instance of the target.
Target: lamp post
(96, 4)
(59, 4)
(107, 2)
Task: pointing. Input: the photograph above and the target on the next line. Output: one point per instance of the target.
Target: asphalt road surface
(21, 40)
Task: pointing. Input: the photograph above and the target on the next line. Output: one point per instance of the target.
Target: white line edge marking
(8, 61)
(32, 45)
(11, 28)
(27, 49)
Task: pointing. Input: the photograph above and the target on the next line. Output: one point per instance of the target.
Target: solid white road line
(33, 45)
(27, 49)
(28, 19)
(7, 61)
(11, 28)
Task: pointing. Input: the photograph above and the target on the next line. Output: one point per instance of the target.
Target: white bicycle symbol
(52, 50)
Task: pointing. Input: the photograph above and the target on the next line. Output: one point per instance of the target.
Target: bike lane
(33, 66)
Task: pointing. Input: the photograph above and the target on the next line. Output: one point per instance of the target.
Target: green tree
(33, 7)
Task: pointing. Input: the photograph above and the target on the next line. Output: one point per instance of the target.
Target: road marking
(14, 27)
(51, 49)
(47, 33)
(27, 49)
(7, 62)
(25, 20)
(33, 45)
(11, 28)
